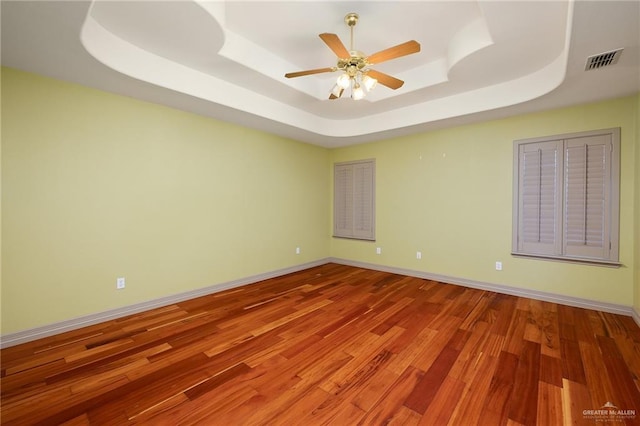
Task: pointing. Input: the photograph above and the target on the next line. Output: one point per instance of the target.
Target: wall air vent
(603, 59)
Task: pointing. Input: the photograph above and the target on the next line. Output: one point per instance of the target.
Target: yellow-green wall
(448, 194)
(636, 209)
(0, 201)
(97, 186)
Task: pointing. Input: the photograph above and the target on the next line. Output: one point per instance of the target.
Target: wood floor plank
(39, 360)
(430, 352)
(110, 363)
(572, 367)
(82, 420)
(33, 378)
(305, 404)
(500, 313)
(549, 405)
(333, 411)
(515, 337)
(600, 386)
(470, 405)
(551, 370)
(371, 355)
(411, 329)
(343, 396)
(336, 345)
(466, 363)
(498, 398)
(626, 394)
(404, 417)
(391, 402)
(157, 389)
(285, 399)
(205, 410)
(479, 311)
(373, 391)
(407, 356)
(550, 342)
(524, 397)
(425, 391)
(317, 361)
(575, 399)
(444, 402)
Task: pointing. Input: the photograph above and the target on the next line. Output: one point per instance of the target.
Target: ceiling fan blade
(334, 43)
(308, 72)
(385, 79)
(403, 49)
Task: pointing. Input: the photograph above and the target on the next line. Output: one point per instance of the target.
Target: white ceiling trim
(227, 60)
(132, 60)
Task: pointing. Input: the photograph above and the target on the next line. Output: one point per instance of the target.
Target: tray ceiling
(479, 59)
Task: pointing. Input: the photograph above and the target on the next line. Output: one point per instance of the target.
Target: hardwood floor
(334, 345)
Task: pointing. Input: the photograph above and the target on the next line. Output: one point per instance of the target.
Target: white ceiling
(478, 60)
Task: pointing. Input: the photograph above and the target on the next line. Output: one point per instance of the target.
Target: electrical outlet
(498, 266)
(418, 255)
(297, 250)
(120, 284)
(378, 250)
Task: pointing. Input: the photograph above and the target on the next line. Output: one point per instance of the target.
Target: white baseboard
(13, 339)
(514, 291)
(29, 335)
(636, 316)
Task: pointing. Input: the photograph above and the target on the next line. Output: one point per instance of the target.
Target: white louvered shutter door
(363, 208)
(586, 221)
(343, 201)
(540, 198)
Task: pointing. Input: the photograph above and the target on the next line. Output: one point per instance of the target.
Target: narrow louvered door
(343, 201)
(354, 200)
(587, 192)
(363, 208)
(540, 197)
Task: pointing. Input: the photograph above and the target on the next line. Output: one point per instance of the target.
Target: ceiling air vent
(603, 59)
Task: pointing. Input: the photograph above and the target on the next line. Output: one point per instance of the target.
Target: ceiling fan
(355, 65)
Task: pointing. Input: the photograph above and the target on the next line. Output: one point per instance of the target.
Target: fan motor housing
(357, 60)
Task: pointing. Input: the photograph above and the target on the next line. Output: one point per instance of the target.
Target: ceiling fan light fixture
(343, 80)
(357, 93)
(369, 82)
(337, 91)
